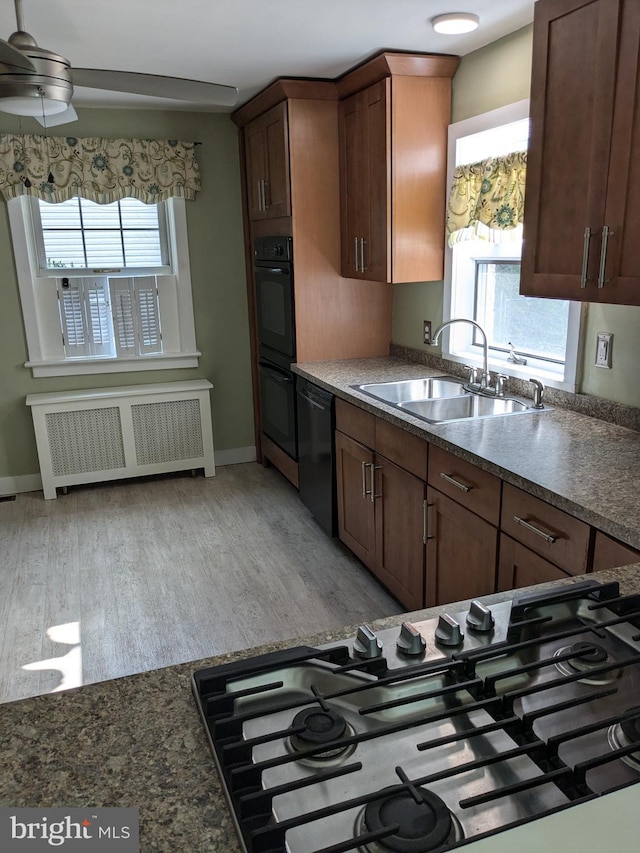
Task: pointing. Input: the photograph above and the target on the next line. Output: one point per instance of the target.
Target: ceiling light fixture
(455, 23)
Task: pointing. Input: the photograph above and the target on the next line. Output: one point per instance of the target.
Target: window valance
(57, 168)
(487, 198)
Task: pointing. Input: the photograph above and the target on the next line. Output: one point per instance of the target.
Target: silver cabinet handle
(372, 493)
(265, 186)
(426, 506)
(531, 527)
(259, 195)
(585, 257)
(362, 263)
(365, 491)
(462, 486)
(355, 239)
(606, 233)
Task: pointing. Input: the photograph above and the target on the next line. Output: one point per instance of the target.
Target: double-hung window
(104, 287)
(527, 337)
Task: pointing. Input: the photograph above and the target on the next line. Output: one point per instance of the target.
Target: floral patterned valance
(57, 168)
(486, 198)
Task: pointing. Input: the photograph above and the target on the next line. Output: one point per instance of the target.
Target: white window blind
(136, 318)
(79, 234)
(85, 316)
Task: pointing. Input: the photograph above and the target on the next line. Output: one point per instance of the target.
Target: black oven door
(274, 307)
(278, 406)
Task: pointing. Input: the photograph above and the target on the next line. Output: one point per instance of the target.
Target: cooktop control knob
(366, 644)
(410, 641)
(448, 632)
(480, 618)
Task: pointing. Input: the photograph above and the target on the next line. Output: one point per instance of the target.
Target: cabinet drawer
(405, 449)
(609, 553)
(550, 532)
(465, 483)
(355, 422)
(518, 566)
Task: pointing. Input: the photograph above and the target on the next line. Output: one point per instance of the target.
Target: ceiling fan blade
(155, 85)
(10, 55)
(65, 117)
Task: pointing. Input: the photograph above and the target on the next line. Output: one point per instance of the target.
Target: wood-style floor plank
(119, 578)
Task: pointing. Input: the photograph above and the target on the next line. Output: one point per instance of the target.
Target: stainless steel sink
(405, 390)
(441, 399)
(469, 406)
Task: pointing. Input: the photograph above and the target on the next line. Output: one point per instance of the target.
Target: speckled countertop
(582, 465)
(139, 742)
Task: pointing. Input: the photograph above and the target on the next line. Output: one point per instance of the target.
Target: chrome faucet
(538, 394)
(485, 378)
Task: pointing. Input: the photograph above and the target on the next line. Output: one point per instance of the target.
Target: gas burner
(586, 657)
(625, 733)
(423, 826)
(322, 725)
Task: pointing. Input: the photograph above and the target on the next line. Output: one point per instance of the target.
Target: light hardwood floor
(125, 577)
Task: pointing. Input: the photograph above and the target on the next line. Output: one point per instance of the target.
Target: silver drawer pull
(528, 526)
(585, 257)
(365, 491)
(606, 233)
(462, 486)
(372, 493)
(426, 525)
(356, 245)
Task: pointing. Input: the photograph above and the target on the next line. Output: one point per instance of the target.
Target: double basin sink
(442, 399)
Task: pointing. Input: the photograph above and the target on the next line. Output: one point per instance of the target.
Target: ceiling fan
(36, 82)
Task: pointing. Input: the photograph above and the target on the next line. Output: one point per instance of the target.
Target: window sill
(552, 379)
(80, 367)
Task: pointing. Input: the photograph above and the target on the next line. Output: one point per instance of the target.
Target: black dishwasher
(316, 453)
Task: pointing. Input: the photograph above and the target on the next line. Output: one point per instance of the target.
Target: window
(104, 287)
(482, 277)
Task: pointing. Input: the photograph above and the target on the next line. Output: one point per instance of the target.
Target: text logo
(31, 830)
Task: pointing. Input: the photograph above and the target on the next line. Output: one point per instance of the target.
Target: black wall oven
(273, 274)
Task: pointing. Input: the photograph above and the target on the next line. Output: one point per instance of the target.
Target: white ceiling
(246, 43)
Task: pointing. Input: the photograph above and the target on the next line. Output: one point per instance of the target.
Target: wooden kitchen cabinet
(393, 137)
(582, 210)
(556, 536)
(267, 164)
(380, 504)
(519, 566)
(608, 553)
(463, 510)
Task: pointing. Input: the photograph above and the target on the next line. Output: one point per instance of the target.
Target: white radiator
(111, 433)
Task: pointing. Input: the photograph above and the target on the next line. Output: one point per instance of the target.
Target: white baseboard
(235, 456)
(33, 482)
(14, 485)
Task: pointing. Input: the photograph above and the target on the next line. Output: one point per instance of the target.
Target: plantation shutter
(123, 315)
(146, 291)
(70, 300)
(96, 295)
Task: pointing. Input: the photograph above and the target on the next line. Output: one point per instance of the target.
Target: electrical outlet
(426, 331)
(604, 347)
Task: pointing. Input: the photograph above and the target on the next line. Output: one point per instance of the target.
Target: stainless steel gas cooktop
(435, 735)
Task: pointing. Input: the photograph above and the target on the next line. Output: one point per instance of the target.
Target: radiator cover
(112, 433)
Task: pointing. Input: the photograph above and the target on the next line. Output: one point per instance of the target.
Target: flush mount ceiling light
(455, 23)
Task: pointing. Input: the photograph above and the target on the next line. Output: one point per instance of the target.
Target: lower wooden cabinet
(518, 566)
(461, 552)
(608, 553)
(381, 518)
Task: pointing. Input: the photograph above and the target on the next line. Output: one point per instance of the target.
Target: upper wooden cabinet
(393, 145)
(267, 164)
(582, 213)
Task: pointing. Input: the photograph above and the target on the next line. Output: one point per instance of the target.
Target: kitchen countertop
(582, 465)
(139, 742)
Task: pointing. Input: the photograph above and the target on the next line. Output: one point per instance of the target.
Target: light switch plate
(604, 347)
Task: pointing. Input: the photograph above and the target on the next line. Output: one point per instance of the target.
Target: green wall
(492, 77)
(218, 280)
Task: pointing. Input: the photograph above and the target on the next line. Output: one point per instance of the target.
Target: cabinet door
(277, 196)
(572, 96)
(267, 164)
(461, 552)
(354, 183)
(399, 501)
(356, 510)
(518, 566)
(621, 265)
(608, 553)
(376, 204)
(256, 167)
